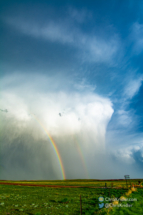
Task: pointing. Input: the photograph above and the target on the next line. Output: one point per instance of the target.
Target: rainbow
(81, 156)
(54, 147)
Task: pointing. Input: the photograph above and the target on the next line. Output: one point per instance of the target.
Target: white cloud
(126, 154)
(21, 131)
(79, 16)
(15, 105)
(94, 111)
(24, 131)
(136, 37)
(82, 85)
(133, 87)
(124, 118)
(89, 47)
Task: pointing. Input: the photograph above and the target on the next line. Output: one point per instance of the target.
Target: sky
(71, 89)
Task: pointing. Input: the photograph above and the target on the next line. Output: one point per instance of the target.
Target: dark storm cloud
(27, 144)
(137, 155)
(19, 154)
(26, 153)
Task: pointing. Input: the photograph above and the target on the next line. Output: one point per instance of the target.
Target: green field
(47, 200)
(81, 182)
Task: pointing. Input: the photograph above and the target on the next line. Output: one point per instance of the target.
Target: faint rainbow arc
(81, 156)
(54, 147)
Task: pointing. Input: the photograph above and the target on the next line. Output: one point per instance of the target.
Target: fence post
(109, 193)
(80, 206)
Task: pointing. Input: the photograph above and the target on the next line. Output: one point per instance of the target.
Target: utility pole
(126, 177)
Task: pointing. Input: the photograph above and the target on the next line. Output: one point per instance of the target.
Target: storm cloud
(23, 139)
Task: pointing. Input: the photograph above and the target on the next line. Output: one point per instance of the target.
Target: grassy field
(82, 182)
(47, 200)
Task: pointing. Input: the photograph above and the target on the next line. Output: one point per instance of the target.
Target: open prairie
(63, 197)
